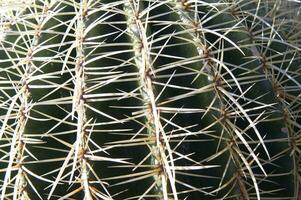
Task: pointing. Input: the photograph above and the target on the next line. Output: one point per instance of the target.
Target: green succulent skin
(150, 99)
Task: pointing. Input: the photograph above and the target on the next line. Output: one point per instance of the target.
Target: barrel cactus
(147, 99)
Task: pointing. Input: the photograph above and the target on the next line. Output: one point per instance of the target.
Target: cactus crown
(129, 99)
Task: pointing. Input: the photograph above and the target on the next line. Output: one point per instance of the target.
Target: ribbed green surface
(150, 99)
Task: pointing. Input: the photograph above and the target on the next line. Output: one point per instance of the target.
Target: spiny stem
(18, 144)
(184, 9)
(81, 144)
(80, 147)
(137, 31)
(279, 92)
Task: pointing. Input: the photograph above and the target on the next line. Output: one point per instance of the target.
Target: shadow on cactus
(150, 99)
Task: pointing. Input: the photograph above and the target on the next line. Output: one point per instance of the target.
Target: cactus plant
(130, 99)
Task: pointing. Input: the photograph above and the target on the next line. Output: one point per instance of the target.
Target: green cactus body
(129, 99)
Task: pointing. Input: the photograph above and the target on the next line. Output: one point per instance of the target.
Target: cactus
(171, 99)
